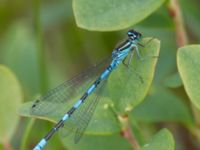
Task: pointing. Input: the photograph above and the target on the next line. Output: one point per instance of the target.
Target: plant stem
(127, 133)
(6, 145)
(196, 114)
(175, 13)
(26, 134)
(40, 46)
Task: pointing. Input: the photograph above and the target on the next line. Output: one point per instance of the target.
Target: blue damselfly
(123, 53)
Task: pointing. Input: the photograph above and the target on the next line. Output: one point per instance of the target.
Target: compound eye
(130, 34)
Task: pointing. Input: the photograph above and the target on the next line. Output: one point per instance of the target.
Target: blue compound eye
(130, 33)
(134, 34)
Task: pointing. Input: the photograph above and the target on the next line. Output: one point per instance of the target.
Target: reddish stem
(127, 132)
(6, 145)
(175, 13)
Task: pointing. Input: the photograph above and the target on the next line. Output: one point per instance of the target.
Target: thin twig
(26, 134)
(175, 13)
(127, 133)
(6, 145)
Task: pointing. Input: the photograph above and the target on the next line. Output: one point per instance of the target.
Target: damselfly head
(134, 35)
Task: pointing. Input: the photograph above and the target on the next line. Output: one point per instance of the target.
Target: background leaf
(163, 140)
(188, 65)
(98, 143)
(10, 99)
(169, 106)
(173, 81)
(19, 43)
(107, 15)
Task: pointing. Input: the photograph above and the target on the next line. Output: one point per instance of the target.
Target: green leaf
(107, 15)
(120, 96)
(10, 99)
(163, 105)
(188, 66)
(173, 81)
(128, 87)
(163, 140)
(98, 143)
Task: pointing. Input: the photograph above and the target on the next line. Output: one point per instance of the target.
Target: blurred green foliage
(188, 65)
(42, 45)
(8, 81)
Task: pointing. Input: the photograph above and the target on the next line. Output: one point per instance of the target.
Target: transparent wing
(80, 119)
(56, 102)
(87, 114)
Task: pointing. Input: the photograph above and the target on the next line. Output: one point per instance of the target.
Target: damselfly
(123, 53)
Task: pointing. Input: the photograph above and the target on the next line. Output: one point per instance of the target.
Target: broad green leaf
(163, 105)
(188, 66)
(120, 96)
(10, 99)
(107, 15)
(173, 81)
(163, 140)
(116, 142)
(127, 87)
